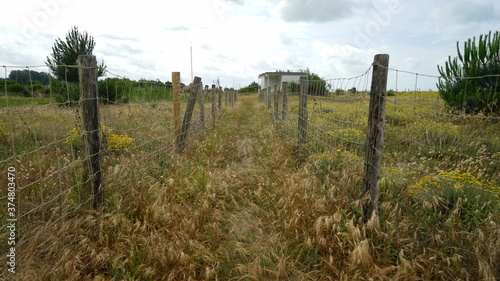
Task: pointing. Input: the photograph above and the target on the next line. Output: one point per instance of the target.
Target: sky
(236, 40)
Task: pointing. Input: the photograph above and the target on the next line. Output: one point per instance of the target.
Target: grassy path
(252, 165)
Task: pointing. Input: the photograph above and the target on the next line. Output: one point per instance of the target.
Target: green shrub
(111, 90)
(16, 88)
(65, 93)
(469, 82)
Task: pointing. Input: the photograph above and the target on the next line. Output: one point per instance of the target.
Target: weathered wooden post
(268, 97)
(87, 72)
(214, 105)
(276, 101)
(284, 109)
(220, 97)
(186, 123)
(202, 106)
(226, 98)
(302, 129)
(375, 138)
(176, 88)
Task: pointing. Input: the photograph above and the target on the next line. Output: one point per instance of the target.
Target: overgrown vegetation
(242, 204)
(251, 88)
(482, 61)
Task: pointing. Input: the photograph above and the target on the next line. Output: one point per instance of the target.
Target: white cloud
(412, 63)
(464, 19)
(315, 11)
(245, 38)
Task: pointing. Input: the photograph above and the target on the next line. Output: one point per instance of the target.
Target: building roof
(281, 73)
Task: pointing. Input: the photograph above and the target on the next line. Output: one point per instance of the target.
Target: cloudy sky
(236, 40)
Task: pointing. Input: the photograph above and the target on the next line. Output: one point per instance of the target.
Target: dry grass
(240, 205)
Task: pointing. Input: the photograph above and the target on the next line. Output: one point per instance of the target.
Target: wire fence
(438, 163)
(415, 122)
(439, 166)
(44, 158)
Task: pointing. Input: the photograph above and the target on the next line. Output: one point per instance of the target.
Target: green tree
(316, 85)
(26, 77)
(470, 81)
(251, 88)
(65, 53)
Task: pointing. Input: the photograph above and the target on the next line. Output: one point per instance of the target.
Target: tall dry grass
(242, 204)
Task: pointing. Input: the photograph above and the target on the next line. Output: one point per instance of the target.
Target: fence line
(431, 155)
(45, 143)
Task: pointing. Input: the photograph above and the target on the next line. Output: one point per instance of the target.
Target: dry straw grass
(240, 206)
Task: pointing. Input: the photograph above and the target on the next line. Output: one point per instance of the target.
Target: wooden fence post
(214, 105)
(268, 97)
(302, 111)
(87, 72)
(276, 105)
(220, 97)
(375, 138)
(226, 98)
(195, 87)
(202, 106)
(176, 87)
(284, 109)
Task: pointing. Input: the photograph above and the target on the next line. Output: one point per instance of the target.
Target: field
(244, 203)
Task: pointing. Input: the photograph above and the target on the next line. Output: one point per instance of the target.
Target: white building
(269, 79)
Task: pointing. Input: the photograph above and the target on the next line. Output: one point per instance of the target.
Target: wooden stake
(176, 87)
(302, 111)
(87, 72)
(375, 138)
(195, 87)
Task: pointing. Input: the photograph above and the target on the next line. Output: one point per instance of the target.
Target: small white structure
(269, 79)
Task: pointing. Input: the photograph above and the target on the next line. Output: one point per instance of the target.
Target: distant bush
(251, 88)
(111, 90)
(65, 93)
(16, 88)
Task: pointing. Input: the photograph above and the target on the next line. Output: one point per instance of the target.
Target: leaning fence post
(375, 138)
(284, 109)
(302, 129)
(87, 72)
(176, 87)
(195, 87)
